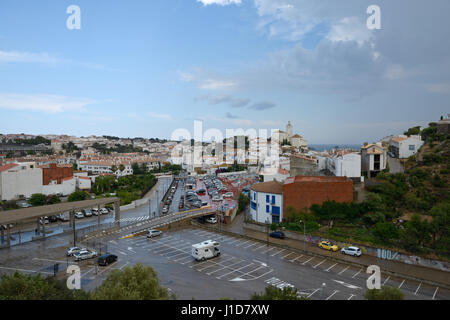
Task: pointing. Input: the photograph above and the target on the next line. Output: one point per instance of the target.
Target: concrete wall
(303, 167)
(17, 182)
(66, 187)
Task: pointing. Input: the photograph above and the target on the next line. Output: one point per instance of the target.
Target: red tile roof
(7, 166)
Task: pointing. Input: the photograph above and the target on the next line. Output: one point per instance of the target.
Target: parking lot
(244, 267)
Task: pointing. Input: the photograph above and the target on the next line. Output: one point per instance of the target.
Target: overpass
(20, 215)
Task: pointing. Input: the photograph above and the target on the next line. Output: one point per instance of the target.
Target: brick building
(54, 172)
(302, 192)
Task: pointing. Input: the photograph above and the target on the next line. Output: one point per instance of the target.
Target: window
(267, 198)
(275, 210)
(273, 199)
(411, 147)
(267, 209)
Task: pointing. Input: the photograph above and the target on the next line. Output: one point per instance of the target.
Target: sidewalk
(432, 276)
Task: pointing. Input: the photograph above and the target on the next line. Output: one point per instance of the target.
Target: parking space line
(244, 242)
(331, 267)
(252, 244)
(270, 249)
(319, 263)
(309, 296)
(434, 295)
(293, 260)
(220, 277)
(228, 266)
(235, 241)
(344, 270)
(335, 291)
(386, 280)
(287, 255)
(264, 245)
(418, 288)
(401, 284)
(351, 296)
(106, 268)
(215, 264)
(357, 273)
(307, 261)
(278, 252)
(177, 260)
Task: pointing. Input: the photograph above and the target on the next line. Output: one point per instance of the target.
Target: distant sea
(325, 147)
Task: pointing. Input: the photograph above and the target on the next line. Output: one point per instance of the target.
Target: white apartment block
(345, 164)
(20, 180)
(373, 158)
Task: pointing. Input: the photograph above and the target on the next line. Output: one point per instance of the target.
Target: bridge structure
(28, 214)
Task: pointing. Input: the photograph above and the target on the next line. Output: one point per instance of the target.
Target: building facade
(373, 159)
(403, 146)
(266, 202)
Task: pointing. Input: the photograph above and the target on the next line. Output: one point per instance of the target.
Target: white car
(104, 211)
(211, 220)
(352, 251)
(43, 220)
(95, 211)
(85, 254)
(73, 250)
(87, 212)
(217, 198)
(79, 215)
(228, 195)
(153, 233)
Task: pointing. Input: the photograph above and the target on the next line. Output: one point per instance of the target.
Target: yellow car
(327, 245)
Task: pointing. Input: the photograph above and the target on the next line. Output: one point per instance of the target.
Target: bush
(385, 293)
(385, 231)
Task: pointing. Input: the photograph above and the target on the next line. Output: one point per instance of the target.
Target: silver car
(85, 254)
(153, 233)
(73, 250)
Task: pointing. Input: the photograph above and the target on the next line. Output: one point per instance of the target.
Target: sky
(142, 68)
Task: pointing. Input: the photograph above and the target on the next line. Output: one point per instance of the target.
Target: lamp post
(304, 235)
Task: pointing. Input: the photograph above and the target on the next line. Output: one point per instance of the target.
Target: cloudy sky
(145, 68)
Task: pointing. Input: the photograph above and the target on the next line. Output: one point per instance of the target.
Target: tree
(274, 293)
(121, 167)
(37, 199)
(385, 293)
(243, 202)
(131, 283)
(385, 231)
(53, 199)
(18, 286)
(77, 196)
(114, 169)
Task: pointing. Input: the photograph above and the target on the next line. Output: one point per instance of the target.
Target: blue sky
(146, 68)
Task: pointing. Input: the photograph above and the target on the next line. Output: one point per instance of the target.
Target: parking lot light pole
(304, 235)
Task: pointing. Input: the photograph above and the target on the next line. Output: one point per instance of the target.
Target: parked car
(211, 220)
(106, 259)
(64, 216)
(87, 212)
(327, 245)
(165, 209)
(52, 219)
(44, 220)
(352, 251)
(277, 234)
(71, 251)
(153, 233)
(217, 198)
(84, 255)
(104, 211)
(228, 195)
(79, 215)
(94, 211)
(181, 205)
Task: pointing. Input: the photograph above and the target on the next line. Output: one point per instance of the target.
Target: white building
(66, 187)
(345, 164)
(266, 202)
(271, 174)
(373, 158)
(298, 141)
(20, 180)
(403, 146)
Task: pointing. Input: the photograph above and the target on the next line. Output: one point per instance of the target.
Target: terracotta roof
(296, 136)
(7, 166)
(398, 139)
(85, 178)
(314, 179)
(268, 187)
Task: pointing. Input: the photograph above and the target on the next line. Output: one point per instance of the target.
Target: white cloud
(350, 29)
(163, 116)
(220, 2)
(43, 103)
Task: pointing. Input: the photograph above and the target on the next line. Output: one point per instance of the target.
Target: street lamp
(304, 235)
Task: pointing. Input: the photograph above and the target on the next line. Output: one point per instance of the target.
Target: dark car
(53, 219)
(106, 259)
(277, 234)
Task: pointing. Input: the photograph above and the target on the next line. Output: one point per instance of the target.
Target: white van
(205, 250)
